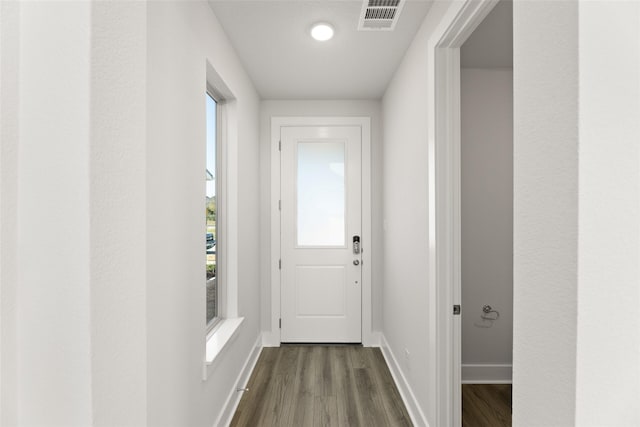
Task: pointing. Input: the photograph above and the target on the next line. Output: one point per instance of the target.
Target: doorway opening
(359, 266)
(449, 220)
(486, 219)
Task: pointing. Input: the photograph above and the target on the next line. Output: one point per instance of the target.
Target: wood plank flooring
(321, 385)
(486, 405)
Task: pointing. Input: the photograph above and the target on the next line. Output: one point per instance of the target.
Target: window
(221, 219)
(212, 292)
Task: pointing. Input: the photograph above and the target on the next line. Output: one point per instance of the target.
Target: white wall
(9, 56)
(182, 37)
(545, 212)
(103, 141)
(486, 97)
(367, 108)
(73, 343)
(408, 304)
(117, 213)
(576, 228)
(608, 339)
(53, 230)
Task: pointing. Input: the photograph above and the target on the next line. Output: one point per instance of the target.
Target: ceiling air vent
(379, 15)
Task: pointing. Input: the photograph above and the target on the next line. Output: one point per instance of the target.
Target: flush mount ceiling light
(322, 31)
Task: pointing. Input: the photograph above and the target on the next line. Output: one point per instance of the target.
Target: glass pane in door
(321, 194)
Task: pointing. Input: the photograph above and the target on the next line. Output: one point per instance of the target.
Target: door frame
(272, 338)
(446, 282)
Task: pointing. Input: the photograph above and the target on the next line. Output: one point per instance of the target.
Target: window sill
(217, 341)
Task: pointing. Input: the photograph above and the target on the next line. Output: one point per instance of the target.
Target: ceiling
(272, 40)
(491, 44)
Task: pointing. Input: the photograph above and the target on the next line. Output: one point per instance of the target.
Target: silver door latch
(356, 245)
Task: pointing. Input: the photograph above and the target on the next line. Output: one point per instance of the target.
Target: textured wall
(577, 100)
(118, 213)
(545, 74)
(608, 349)
(9, 56)
(53, 299)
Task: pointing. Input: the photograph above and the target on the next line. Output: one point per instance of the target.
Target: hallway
(321, 385)
(103, 204)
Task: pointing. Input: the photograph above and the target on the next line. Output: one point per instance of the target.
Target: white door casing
(271, 337)
(444, 141)
(321, 212)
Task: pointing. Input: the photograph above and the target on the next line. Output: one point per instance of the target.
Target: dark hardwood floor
(321, 385)
(486, 405)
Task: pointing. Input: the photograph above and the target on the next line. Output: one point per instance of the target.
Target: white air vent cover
(380, 15)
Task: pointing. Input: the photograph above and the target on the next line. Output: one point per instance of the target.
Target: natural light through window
(321, 194)
(211, 214)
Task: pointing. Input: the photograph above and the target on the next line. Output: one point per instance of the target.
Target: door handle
(356, 245)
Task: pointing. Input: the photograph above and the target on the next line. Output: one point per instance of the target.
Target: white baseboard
(486, 374)
(271, 339)
(372, 340)
(230, 406)
(410, 401)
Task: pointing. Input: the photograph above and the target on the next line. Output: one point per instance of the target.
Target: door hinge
(456, 310)
(280, 323)
(279, 145)
(279, 205)
(279, 264)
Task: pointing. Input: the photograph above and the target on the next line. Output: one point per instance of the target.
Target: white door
(321, 299)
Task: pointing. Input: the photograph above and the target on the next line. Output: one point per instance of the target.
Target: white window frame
(229, 323)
